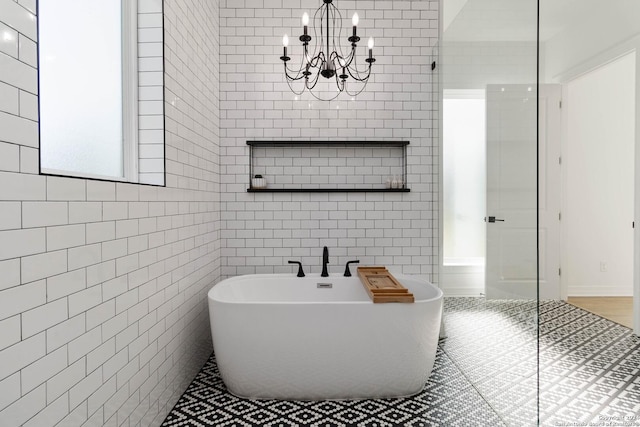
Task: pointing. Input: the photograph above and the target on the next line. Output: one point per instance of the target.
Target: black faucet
(300, 270)
(325, 261)
(347, 273)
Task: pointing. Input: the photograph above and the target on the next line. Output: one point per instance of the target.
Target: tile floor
(485, 375)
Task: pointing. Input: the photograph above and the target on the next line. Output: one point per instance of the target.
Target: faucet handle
(300, 271)
(347, 273)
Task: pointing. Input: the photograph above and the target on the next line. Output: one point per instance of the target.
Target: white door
(513, 227)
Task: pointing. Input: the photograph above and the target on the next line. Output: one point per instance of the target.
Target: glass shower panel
(490, 48)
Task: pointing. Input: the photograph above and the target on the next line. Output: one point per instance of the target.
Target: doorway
(599, 146)
(598, 177)
(494, 213)
(523, 195)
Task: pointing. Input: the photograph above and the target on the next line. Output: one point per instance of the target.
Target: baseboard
(462, 292)
(462, 281)
(600, 291)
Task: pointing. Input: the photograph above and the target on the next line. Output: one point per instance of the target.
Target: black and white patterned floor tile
(485, 375)
(447, 399)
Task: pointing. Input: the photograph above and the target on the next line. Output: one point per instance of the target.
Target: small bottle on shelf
(258, 182)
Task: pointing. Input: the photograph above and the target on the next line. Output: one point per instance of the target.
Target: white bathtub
(282, 337)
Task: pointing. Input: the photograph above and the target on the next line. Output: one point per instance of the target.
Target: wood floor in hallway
(616, 309)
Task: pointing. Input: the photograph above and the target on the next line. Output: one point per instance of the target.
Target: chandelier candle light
(326, 63)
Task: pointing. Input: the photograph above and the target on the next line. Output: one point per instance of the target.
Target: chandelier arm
(315, 35)
(333, 56)
(314, 82)
(320, 43)
(341, 60)
(349, 58)
(317, 60)
(293, 79)
(353, 66)
(293, 90)
(358, 72)
(288, 70)
(357, 92)
(357, 76)
(324, 99)
(298, 73)
(307, 85)
(342, 84)
(362, 84)
(337, 16)
(361, 80)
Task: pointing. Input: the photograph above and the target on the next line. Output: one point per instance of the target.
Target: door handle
(493, 219)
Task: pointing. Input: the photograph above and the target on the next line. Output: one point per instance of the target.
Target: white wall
(103, 316)
(262, 231)
(593, 28)
(599, 110)
(474, 65)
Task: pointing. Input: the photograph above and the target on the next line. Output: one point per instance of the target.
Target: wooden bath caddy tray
(382, 286)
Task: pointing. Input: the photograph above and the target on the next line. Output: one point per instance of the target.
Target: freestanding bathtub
(284, 337)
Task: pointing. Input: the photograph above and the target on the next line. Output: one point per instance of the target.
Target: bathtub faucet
(347, 273)
(325, 261)
(300, 270)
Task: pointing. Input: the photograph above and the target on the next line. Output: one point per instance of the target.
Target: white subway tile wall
(150, 85)
(103, 314)
(261, 232)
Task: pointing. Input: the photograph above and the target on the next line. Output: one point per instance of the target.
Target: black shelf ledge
(328, 143)
(328, 190)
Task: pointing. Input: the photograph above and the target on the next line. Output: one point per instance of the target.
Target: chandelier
(331, 63)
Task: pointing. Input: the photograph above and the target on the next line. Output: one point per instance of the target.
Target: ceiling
(510, 20)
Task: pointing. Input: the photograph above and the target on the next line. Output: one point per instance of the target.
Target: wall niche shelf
(328, 166)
